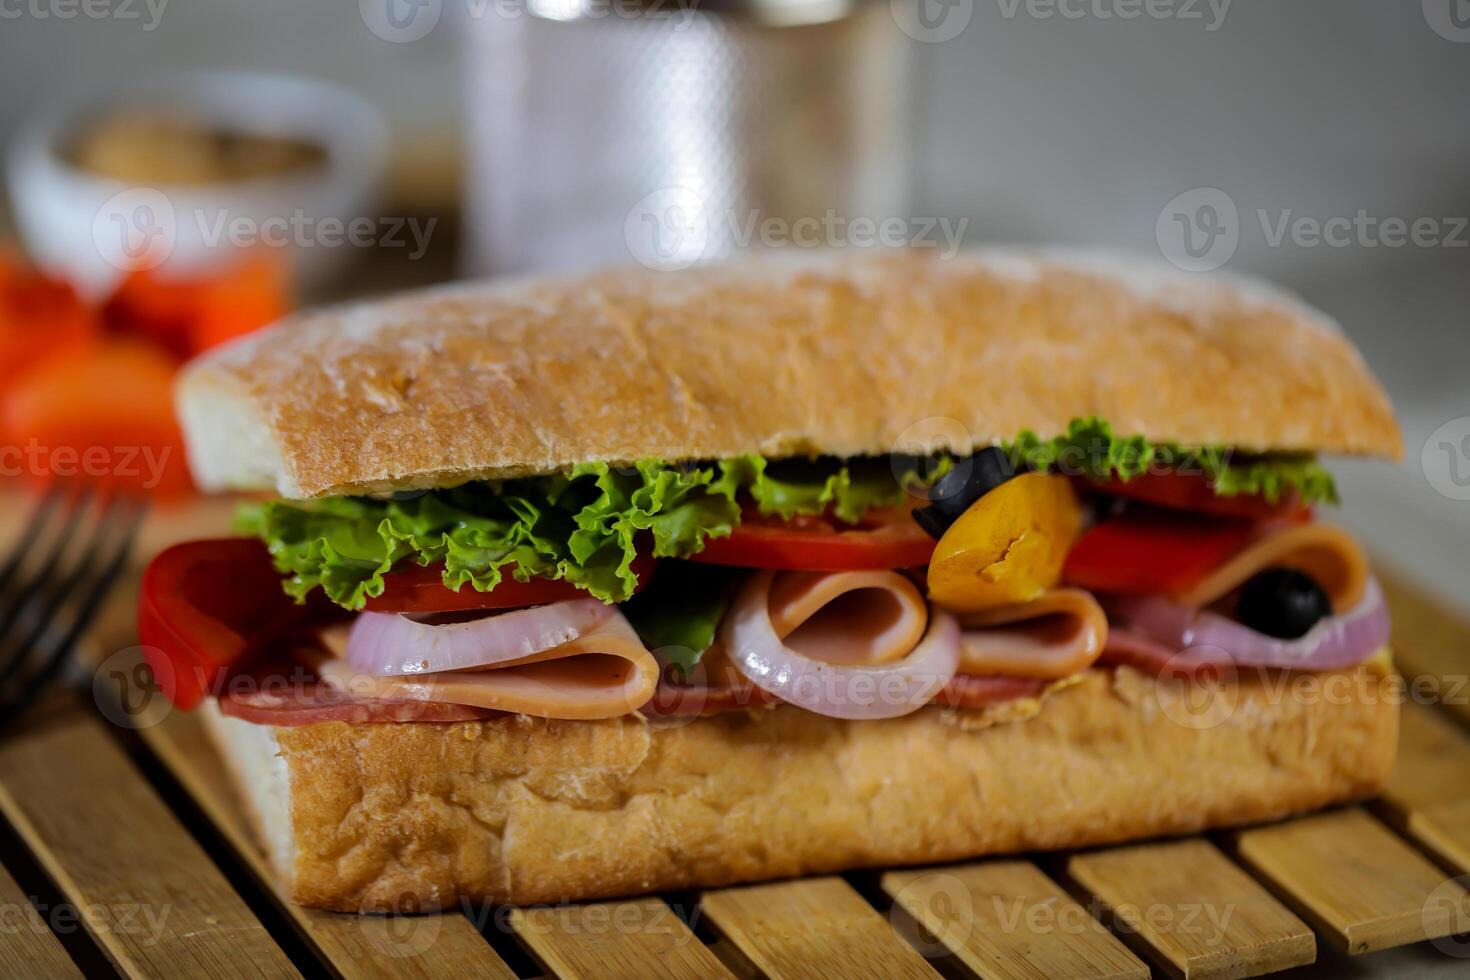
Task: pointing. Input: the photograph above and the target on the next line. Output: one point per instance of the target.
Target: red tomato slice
(205, 605)
(885, 539)
(1154, 551)
(1192, 492)
(421, 589)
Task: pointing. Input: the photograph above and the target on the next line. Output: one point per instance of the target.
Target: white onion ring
(387, 644)
(1334, 642)
(854, 692)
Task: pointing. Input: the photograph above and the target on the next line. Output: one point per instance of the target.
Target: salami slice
(963, 691)
(1128, 648)
(973, 692)
(313, 702)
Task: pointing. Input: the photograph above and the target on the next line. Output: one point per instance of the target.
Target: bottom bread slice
(521, 810)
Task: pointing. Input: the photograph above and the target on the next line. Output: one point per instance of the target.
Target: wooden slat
(1430, 639)
(1193, 911)
(1428, 797)
(146, 891)
(815, 927)
(1433, 764)
(1444, 829)
(356, 948)
(1006, 920)
(1354, 879)
(27, 946)
(633, 939)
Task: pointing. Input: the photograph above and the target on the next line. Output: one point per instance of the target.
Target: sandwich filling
(855, 588)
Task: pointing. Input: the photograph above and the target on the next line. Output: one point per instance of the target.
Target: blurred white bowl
(92, 229)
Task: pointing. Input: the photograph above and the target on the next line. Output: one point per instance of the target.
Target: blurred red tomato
(102, 414)
(40, 318)
(187, 316)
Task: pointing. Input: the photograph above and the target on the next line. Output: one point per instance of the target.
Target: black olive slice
(1282, 602)
(969, 480)
(932, 521)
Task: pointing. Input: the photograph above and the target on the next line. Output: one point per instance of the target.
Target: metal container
(609, 131)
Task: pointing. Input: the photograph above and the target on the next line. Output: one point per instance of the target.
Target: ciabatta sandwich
(596, 586)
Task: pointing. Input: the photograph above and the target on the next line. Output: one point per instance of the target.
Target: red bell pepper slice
(206, 605)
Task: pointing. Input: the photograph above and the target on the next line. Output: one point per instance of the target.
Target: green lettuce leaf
(677, 614)
(808, 486)
(579, 526)
(1089, 447)
(582, 525)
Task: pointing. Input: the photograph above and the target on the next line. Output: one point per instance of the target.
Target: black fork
(70, 552)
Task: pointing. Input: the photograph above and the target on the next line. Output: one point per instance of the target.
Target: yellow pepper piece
(1008, 547)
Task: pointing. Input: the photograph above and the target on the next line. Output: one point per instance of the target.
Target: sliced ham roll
(1329, 554)
(855, 645)
(848, 617)
(871, 617)
(1055, 635)
(601, 674)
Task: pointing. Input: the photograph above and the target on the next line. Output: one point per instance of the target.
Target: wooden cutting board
(139, 831)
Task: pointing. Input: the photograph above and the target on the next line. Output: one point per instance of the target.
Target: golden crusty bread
(841, 353)
(523, 810)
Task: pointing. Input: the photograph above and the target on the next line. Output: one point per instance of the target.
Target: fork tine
(93, 593)
(73, 506)
(46, 594)
(39, 516)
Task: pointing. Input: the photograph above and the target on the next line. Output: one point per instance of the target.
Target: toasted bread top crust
(845, 353)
